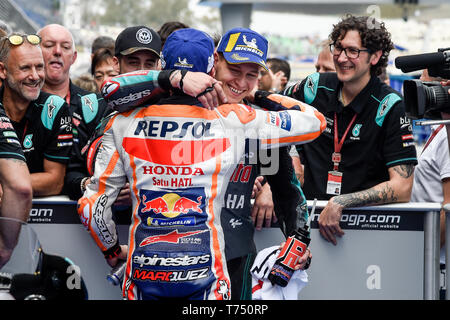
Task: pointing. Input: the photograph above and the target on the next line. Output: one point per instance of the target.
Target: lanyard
(24, 132)
(433, 135)
(336, 156)
(68, 98)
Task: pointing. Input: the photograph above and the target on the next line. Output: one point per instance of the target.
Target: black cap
(137, 38)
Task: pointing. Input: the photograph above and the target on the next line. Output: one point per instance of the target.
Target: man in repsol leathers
(178, 158)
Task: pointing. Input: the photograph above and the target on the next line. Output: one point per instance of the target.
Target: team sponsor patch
(249, 48)
(183, 63)
(13, 141)
(10, 134)
(65, 136)
(407, 137)
(280, 119)
(173, 237)
(158, 260)
(155, 222)
(99, 220)
(285, 120)
(6, 125)
(173, 207)
(64, 144)
(76, 122)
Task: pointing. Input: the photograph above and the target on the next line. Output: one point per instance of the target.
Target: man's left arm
(50, 181)
(396, 189)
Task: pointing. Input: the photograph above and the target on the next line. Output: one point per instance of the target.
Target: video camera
(426, 99)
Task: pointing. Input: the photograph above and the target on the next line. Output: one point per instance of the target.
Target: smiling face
(238, 80)
(23, 72)
(358, 69)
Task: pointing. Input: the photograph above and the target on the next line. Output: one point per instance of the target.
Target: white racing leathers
(178, 160)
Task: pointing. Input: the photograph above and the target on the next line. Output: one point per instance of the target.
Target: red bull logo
(171, 205)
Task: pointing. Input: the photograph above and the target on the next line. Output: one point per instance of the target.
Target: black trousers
(241, 279)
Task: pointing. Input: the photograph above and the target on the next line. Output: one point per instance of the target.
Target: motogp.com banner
(376, 220)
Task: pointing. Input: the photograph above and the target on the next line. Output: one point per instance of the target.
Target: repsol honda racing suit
(178, 159)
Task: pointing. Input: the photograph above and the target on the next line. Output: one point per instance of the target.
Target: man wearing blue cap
(239, 56)
(178, 158)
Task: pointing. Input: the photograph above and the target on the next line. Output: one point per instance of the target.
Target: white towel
(6, 296)
(262, 288)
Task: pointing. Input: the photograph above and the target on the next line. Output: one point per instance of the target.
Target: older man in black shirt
(41, 121)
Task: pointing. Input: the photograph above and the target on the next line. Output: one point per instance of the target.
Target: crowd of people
(190, 135)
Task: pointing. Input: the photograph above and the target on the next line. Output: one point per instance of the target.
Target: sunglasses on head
(17, 39)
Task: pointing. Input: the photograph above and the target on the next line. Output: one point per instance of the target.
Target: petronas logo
(28, 141)
(356, 130)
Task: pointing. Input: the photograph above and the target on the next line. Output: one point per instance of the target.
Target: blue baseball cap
(188, 49)
(241, 45)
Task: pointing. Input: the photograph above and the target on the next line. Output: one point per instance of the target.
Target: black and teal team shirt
(45, 132)
(381, 136)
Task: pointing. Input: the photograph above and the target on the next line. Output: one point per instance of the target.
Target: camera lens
(437, 97)
(425, 99)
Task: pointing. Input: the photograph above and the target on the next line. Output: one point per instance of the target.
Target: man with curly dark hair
(366, 155)
(373, 37)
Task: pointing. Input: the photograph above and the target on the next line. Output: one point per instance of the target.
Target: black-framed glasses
(18, 39)
(351, 53)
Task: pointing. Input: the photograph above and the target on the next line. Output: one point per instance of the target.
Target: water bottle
(294, 248)
(115, 277)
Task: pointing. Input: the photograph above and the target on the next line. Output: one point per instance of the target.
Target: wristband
(112, 252)
(183, 74)
(164, 79)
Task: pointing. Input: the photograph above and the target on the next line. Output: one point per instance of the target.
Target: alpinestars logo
(51, 106)
(384, 107)
(310, 84)
(88, 103)
(109, 88)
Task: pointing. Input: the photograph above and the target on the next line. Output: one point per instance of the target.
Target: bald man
(324, 61)
(58, 50)
(86, 108)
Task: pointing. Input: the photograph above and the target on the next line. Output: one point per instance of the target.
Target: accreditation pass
(334, 182)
